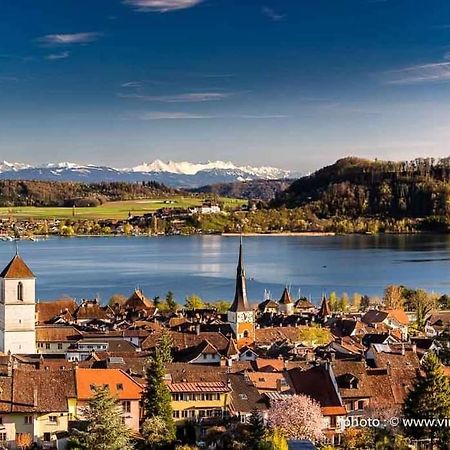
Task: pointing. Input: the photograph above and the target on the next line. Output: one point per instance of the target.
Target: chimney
(197, 329)
(414, 348)
(10, 369)
(388, 367)
(403, 349)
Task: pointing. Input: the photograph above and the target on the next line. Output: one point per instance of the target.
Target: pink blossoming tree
(297, 417)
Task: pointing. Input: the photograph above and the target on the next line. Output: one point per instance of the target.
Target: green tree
(257, 430)
(424, 304)
(314, 336)
(222, 306)
(344, 302)
(194, 302)
(276, 441)
(164, 346)
(104, 427)
(356, 301)
(393, 297)
(429, 399)
(156, 396)
(156, 432)
(171, 302)
(333, 301)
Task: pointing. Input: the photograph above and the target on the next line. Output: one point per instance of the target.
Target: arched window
(245, 334)
(20, 291)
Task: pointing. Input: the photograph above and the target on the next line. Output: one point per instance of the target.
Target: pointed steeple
(17, 268)
(325, 310)
(286, 297)
(240, 302)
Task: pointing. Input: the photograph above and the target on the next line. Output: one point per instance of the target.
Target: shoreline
(282, 234)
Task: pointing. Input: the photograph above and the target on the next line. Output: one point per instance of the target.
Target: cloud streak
(191, 97)
(272, 14)
(161, 5)
(158, 115)
(425, 73)
(56, 56)
(69, 39)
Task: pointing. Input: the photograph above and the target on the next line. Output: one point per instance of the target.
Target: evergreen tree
(429, 399)
(257, 430)
(156, 396)
(104, 427)
(171, 302)
(164, 347)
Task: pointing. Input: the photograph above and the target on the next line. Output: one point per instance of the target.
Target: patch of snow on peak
(188, 168)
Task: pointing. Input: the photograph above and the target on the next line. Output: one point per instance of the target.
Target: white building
(17, 308)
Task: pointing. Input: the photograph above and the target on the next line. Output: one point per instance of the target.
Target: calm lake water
(205, 265)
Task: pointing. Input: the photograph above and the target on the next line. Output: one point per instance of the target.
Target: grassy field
(110, 210)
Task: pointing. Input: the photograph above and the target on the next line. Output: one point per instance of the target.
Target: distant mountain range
(175, 174)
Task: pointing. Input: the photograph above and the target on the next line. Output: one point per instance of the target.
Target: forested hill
(355, 187)
(50, 193)
(264, 190)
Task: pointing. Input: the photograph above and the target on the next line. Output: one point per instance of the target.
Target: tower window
(246, 334)
(20, 291)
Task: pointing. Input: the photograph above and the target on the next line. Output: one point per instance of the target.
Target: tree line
(65, 193)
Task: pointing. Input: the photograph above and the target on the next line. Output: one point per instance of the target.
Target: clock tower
(17, 308)
(241, 316)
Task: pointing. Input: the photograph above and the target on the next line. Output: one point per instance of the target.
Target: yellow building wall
(180, 405)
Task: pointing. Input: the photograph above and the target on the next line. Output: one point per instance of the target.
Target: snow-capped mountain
(182, 174)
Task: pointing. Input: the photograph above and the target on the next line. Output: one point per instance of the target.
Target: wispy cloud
(424, 73)
(132, 84)
(272, 14)
(158, 115)
(161, 5)
(56, 56)
(191, 97)
(6, 79)
(69, 39)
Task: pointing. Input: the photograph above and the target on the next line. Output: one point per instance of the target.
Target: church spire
(240, 302)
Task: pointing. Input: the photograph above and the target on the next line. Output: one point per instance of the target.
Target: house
(203, 353)
(438, 323)
(245, 398)
(83, 348)
(393, 319)
(52, 311)
(38, 403)
(320, 384)
(268, 307)
(90, 310)
(303, 305)
(56, 338)
(120, 384)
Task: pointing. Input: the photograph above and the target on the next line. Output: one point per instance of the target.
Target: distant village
(224, 366)
(168, 220)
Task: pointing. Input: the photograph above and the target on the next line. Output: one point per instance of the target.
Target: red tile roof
(17, 269)
(216, 387)
(120, 384)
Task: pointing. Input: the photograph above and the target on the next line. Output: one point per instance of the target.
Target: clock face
(247, 317)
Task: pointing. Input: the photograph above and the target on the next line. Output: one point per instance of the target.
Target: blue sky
(290, 83)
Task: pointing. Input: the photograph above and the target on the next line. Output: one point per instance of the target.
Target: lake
(86, 267)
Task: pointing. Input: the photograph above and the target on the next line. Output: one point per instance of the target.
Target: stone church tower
(17, 308)
(241, 316)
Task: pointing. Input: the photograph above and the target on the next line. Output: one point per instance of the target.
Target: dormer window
(20, 291)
